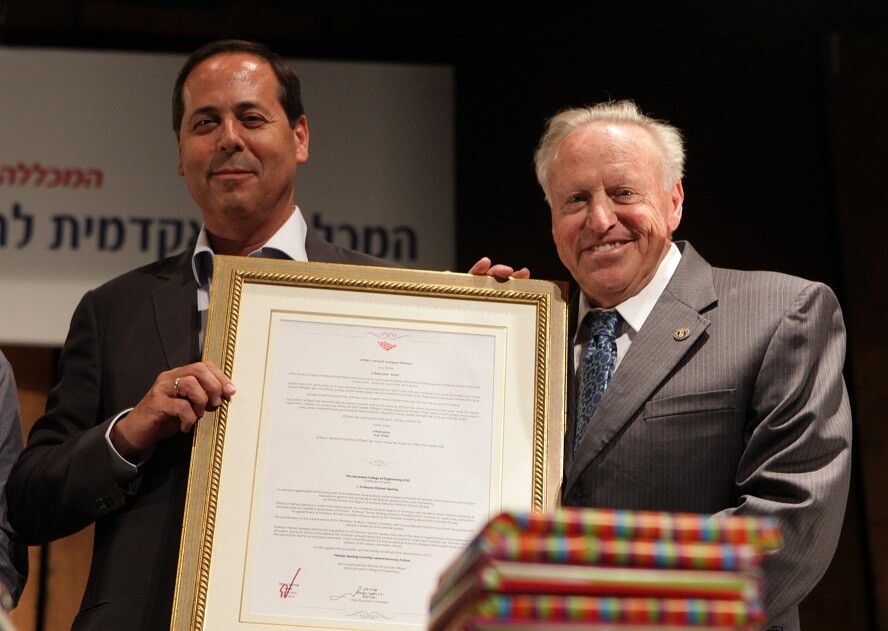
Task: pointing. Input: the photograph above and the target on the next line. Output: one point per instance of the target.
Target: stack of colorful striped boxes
(607, 569)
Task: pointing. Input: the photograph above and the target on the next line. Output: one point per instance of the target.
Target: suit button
(103, 502)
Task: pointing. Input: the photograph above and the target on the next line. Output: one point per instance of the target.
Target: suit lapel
(175, 301)
(656, 351)
(175, 311)
(571, 406)
(318, 249)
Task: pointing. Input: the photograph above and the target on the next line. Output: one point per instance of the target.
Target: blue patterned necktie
(598, 366)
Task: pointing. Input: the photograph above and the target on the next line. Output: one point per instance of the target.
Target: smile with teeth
(606, 246)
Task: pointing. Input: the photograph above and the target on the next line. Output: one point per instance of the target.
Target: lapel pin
(681, 334)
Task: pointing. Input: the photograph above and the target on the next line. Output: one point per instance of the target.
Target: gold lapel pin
(681, 334)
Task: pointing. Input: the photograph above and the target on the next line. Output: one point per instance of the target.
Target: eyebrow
(206, 109)
(214, 109)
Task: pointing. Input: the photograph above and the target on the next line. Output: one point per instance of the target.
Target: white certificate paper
(382, 417)
(407, 417)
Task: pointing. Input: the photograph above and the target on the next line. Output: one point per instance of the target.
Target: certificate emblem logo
(387, 339)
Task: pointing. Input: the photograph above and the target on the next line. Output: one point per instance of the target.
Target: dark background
(745, 81)
(782, 104)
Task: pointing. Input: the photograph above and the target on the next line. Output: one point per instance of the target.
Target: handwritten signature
(370, 592)
(286, 588)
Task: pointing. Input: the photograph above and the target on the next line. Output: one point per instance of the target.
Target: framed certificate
(382, 417)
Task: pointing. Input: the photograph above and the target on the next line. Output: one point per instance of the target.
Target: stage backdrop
(89, 189)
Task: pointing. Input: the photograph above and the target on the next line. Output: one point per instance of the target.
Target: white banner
(89, 188)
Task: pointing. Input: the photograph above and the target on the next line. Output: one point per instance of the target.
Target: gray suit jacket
(122, 335)
(747, 415)
(13, 553)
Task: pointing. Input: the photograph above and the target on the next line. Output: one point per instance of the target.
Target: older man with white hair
(696, 388)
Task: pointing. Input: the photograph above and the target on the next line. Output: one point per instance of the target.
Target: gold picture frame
(444, 374)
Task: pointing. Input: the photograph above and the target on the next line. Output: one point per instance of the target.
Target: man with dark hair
(697, 389)
(114, 445)
(290, 94)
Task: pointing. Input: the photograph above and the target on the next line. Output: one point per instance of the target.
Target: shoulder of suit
(336, 254)
(760, 278)
(745, 278)
(159, 270)
(361, 258)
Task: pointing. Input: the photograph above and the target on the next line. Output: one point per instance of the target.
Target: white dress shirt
(633, 311)
(287, 243)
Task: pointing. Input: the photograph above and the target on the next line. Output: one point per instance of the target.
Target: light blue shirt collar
(287, 243)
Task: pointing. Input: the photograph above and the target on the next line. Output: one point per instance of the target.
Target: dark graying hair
(290, 92)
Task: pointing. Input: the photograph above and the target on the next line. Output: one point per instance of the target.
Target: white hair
(667, 137)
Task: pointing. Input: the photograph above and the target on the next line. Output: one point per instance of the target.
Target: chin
(605, 286)
(234, 209)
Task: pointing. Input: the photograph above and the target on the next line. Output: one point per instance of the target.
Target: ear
(179, 165)
(300, 132)
(677, 197)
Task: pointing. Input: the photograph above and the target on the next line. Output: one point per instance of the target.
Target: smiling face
(237, 151)
(612, 220)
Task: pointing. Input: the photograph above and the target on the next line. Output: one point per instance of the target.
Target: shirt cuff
(123, 471)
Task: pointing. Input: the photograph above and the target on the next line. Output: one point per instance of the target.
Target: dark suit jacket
(122, 335)
(747, 415)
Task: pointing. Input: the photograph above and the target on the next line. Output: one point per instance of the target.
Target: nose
(229, 140)
(601, 217)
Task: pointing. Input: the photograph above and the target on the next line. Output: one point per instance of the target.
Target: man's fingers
(480, 268)
(205, 384)
(485, 267)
